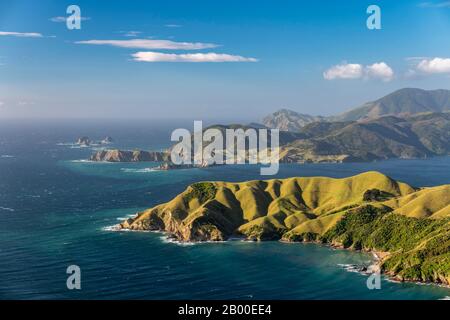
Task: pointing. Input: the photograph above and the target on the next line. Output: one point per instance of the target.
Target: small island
(408, 227)
(86, 141)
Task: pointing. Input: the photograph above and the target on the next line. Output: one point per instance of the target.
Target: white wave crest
(7, 209)
(144, 170)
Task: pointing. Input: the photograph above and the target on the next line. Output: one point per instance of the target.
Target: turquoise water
(55, 210)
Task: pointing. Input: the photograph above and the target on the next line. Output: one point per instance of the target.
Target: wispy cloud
(21, 34)
(171, 25)
(189, 57)
(379, 70)
(131, 33)
(63, 19)
(439, 4)
(25, 103)
(151, 44)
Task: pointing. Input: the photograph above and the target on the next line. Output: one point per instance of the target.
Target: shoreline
(378, 256)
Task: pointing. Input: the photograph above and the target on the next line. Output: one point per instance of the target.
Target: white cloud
(172, 25)
(434, 65)
(379, 70)
(344, 71)
(190, 57)
(21, 34)
(151, 44)
(63, 19)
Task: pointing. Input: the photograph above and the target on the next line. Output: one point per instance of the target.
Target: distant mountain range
(402, 102)
(409, 123)
(416, 136)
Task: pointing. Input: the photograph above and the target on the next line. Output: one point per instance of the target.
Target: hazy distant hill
(288, 120)
(402, 102)
(416, 136)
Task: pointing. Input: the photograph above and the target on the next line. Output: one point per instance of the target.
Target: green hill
(317, 209)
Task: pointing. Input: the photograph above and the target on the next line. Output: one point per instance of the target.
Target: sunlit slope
(263, 209)
(428, 202)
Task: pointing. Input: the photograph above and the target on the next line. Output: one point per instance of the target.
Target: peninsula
(369, 212)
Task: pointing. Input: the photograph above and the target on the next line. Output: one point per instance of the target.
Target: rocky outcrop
(86, 141)
(83, 141)
(107, 140)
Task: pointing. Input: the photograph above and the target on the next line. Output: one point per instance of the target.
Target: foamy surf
(65, 144)
(81, 161)
(169, 239)
(357, 268)
(117, 228)
(132, 216)
(7, 209)
(112, 228)
(90, 161)
(144, 170)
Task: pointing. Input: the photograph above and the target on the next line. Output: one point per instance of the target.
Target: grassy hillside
(367, 211)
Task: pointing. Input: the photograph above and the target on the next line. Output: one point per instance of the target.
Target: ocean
(55, 210)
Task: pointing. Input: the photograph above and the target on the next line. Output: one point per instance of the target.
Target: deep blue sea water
(55, 210)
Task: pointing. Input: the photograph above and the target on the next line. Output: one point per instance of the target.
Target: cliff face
(128, 156)
(317, 209)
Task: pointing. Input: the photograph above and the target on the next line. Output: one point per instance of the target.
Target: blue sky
(252, 57)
